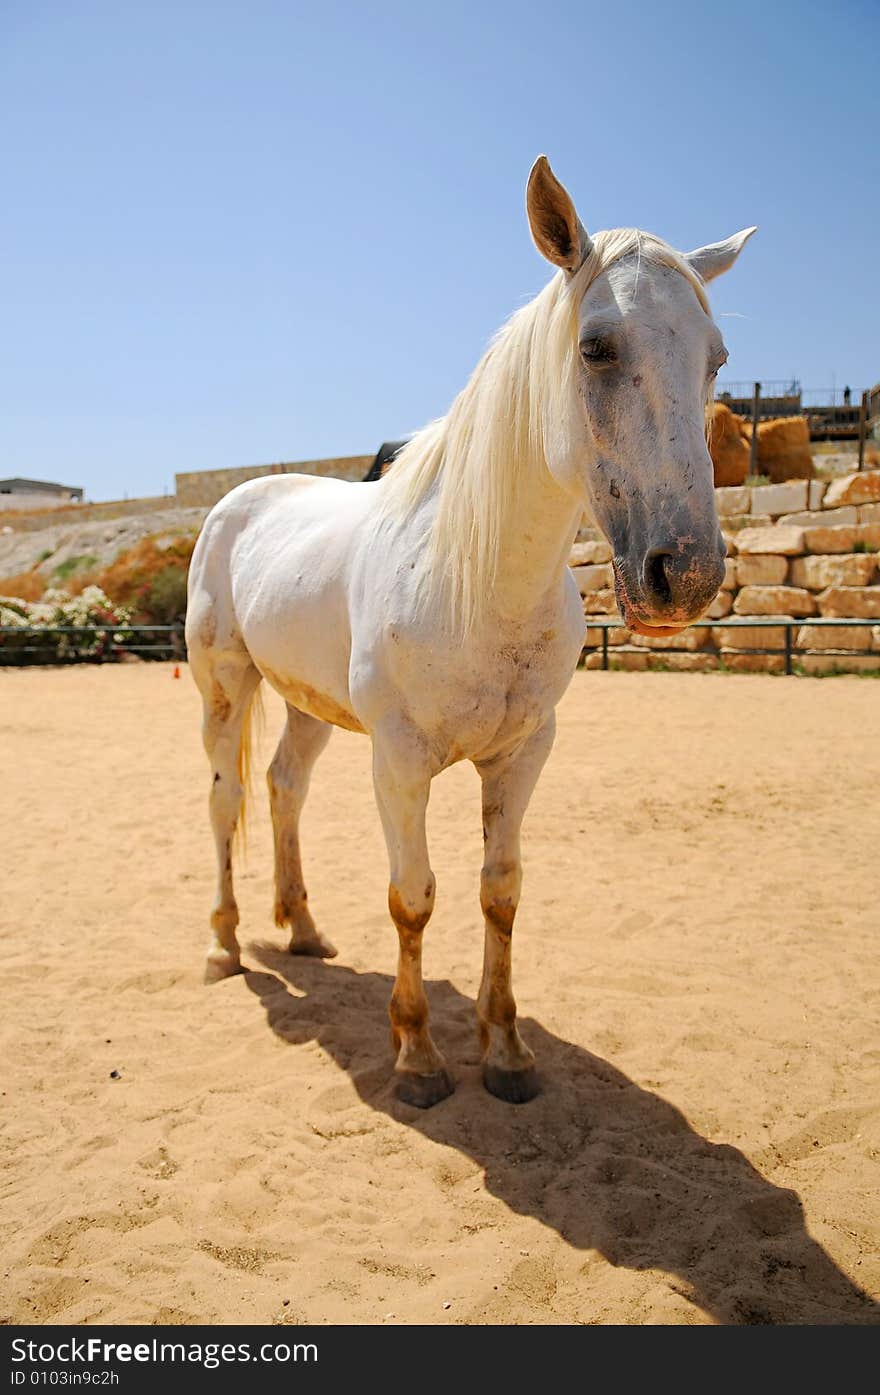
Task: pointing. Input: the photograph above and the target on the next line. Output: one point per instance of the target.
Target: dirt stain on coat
(307, 699)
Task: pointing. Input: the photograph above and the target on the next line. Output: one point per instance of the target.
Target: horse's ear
(710, 261)
(558, 232)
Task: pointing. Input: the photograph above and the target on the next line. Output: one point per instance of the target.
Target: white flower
(12, 618)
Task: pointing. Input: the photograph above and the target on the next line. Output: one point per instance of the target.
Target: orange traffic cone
(176, 673)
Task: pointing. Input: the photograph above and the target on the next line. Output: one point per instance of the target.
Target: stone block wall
(805, 549)
(206, 487)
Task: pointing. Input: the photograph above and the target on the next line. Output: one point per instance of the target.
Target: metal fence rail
(831, 413)
(788, 651)
(81, 644)
(788, 387)
(76, 644)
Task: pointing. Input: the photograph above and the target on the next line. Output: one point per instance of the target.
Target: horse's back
(293, 496)
(276, 513)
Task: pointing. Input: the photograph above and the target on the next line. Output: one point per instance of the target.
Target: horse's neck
(536, 549)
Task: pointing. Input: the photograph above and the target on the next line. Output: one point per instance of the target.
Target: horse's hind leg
(303, 740)
(228, 688)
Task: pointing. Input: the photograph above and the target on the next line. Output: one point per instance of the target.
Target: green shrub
(163, 598)
(73, 564)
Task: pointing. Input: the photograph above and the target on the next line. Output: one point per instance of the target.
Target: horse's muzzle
(668, 587)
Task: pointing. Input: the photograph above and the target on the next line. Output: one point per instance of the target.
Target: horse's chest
(526, 680)
(505, 703)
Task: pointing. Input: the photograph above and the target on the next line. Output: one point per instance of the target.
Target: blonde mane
(512, 417)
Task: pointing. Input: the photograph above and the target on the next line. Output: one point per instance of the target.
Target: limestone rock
(860, 488)
(869, 513)
(593, 578)
(777, 499)
(774, 600)
(737, 521)
(689, 639)
(825, 539)
(761, 571)
(617, 634)
(721, 606)
(629, 660)
(838, 663)
(781, 541)
(733, 501)
(752, 663)
(730, 582)
(835, 463)
(600, 603)
(685, 663)
(846, 569)
(834, 637)
(584, 554)
(820, 518)
(817, 493)
(745, 636)
(859, 602)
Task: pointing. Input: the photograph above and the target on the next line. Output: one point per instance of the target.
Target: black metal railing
(781, 390)
(788, 652)
(82, 644)
(76, 644)
(787, 387)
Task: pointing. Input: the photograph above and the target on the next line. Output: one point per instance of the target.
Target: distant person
(847, 396)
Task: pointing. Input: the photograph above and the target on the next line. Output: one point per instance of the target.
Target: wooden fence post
(753, 448)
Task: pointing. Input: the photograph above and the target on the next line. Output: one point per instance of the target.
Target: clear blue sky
(240, 233)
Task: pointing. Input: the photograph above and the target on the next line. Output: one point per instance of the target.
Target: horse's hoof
(424, 1090)
(513, 1086)
(221, 966)
(316, 946)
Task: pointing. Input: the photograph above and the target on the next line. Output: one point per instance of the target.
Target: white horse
(434, 610)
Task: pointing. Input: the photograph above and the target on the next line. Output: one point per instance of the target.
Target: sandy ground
(696, 966)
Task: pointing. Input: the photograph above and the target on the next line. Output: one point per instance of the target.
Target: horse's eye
(597, 353)
(716, 366)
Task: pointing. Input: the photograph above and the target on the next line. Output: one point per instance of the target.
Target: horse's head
(647, 352)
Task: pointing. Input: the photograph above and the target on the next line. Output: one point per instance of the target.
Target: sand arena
(695, 964)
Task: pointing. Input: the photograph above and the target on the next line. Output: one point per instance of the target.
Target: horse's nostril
(655, 575)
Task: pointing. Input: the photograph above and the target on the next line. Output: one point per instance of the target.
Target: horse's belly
(303, 650)
(307, 698)
(289, 572)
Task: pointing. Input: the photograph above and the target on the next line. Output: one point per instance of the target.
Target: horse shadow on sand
(608, 1165)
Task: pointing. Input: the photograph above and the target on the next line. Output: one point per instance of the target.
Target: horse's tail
(254, 710)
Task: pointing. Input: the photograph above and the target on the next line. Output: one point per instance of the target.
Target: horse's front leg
(402, 780)
(508, 782)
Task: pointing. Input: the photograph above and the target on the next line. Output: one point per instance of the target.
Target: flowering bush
(84, 612)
